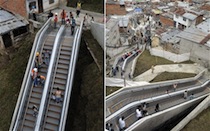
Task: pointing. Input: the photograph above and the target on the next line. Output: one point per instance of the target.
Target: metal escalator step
(55, 108)
(60, 61)
(50, 127)
(65, 57)
(54, 104)
(62, 71)
(53, 114)
(37, 89)
(48, 48)
(63, 66)
(62, 76)
(36, 95)
(29, 124)
(61, 87)
(26, 128)
(30, 117)
(53, 121)
(35, 100)
(66, 49)
(65, 52)
(66, 45)
(60, 81)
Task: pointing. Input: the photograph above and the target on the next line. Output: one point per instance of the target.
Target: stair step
(61, 81)
(65, 57)
(61, 76)
(61, 61)
(26, 128)
(50, 127)
(62, 71)
(63, 66)
(52, 121)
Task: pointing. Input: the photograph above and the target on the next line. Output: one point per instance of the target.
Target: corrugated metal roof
(9, 22)
(170, 36)
(193, 34)
(190, 16)
(204, 26)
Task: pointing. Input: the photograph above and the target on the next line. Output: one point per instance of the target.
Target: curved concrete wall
(158, 118)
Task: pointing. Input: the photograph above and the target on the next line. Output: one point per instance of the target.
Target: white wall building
(184, 21)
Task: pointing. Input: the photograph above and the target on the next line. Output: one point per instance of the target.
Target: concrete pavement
(183, 68)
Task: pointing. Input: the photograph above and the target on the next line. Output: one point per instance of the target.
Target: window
(184, 19)
(51, 1)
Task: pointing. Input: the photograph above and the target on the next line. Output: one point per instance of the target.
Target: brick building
(23, 7)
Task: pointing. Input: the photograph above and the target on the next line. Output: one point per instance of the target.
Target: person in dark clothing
(157, 107)
(50, 15)
(73, 24)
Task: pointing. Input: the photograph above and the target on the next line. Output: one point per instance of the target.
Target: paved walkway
(147, 76)
(97, 16)
(184, 68)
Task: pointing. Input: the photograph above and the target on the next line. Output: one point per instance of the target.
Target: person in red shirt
(63, 16)
(55, 20)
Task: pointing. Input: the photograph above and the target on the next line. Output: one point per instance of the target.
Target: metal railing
(179, 107)
(27, 81)
(153, 85)
(70, 78)
(152, 99)
(48, 78)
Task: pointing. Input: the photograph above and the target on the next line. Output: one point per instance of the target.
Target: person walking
(38, 60)
(174, 86)
(109, 127)
(50, 14)
(185, 94)
(34, 74)
(35, 110)
(41, 80)
(157, 107)
(57, 95)
(73, 24)
(78, 8)
(63, 17)
(55, 20)
(139, 114)
(122, 125)
(152, 68)
(46, 57)
(33, 12)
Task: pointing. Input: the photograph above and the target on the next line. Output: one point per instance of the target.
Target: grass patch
(110, 90)
(90, 5)
(11, 76)
(86, 112)
(172, 76)
(199, 123)
(94, 47)
(145, 61)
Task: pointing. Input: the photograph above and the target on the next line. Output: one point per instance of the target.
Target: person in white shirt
(139, 114)
(122, 123)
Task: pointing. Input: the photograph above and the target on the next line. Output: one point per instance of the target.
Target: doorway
(40, 6)
(7, 40)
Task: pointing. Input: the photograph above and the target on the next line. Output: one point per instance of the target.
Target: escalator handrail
(27, 77)
(70, 78)
(152, 99)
